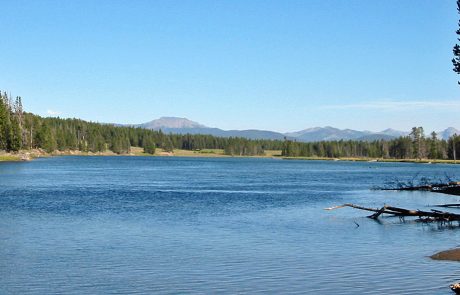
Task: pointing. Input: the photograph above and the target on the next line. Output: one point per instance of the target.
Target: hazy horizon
(284, 132)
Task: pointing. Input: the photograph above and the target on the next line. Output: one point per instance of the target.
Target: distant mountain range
(183, 126)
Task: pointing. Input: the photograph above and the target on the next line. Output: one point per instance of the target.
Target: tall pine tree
(456, 49)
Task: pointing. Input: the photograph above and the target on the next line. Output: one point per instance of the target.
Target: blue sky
(277, 65)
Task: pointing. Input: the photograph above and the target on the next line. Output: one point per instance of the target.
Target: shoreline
(374, 160)
(29, 155)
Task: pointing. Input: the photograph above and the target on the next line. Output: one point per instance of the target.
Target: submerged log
(426, 216)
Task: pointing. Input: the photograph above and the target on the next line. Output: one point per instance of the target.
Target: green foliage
(453, 147)
(243, 147)
(10, 123)
(406, 147)
(149, 145)
(167, 144)
(120, 143)
(418, 146)
(456, 49)
(45, 138)
(15, 135)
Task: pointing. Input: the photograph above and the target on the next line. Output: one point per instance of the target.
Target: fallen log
(451, 188)
(426, 216)
(377, 212)
(352, 206)
(410, 188)
(448, 205)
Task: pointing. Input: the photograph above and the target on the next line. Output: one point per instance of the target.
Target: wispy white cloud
(53, 113)
(396, 105)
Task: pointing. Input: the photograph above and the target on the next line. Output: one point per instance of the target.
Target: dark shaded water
(118, 225)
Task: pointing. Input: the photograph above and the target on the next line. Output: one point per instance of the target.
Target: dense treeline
(414, 146)
(21, 130)
(12, 124)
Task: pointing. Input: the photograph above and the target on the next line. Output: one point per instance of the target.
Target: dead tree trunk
(433, 215)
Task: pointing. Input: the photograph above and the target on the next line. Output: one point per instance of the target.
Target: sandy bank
(451, 255)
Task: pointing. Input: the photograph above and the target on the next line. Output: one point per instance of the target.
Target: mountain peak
(448, 132)
(451, 129)
(389, 130)
(171, 122)
(393, 132)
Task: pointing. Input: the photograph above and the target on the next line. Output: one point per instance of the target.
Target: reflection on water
(88, 225)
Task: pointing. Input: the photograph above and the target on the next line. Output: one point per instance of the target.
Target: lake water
(135, 225)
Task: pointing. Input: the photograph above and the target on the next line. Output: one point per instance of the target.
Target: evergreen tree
(456, 49)
(434, 146)
(3, 124)
(453, 147)
(45, 138)
(417, 135)
(149, 145)
(168, 145)
(15, 135)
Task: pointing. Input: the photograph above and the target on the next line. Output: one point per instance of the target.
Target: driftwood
(450, 188)
(426, 216)
(445, 186)
(448, 205)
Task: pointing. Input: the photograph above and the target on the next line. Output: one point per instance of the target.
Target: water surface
(135, 225)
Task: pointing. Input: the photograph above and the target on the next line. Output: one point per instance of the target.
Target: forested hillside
(414, 146)
(20, 130)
